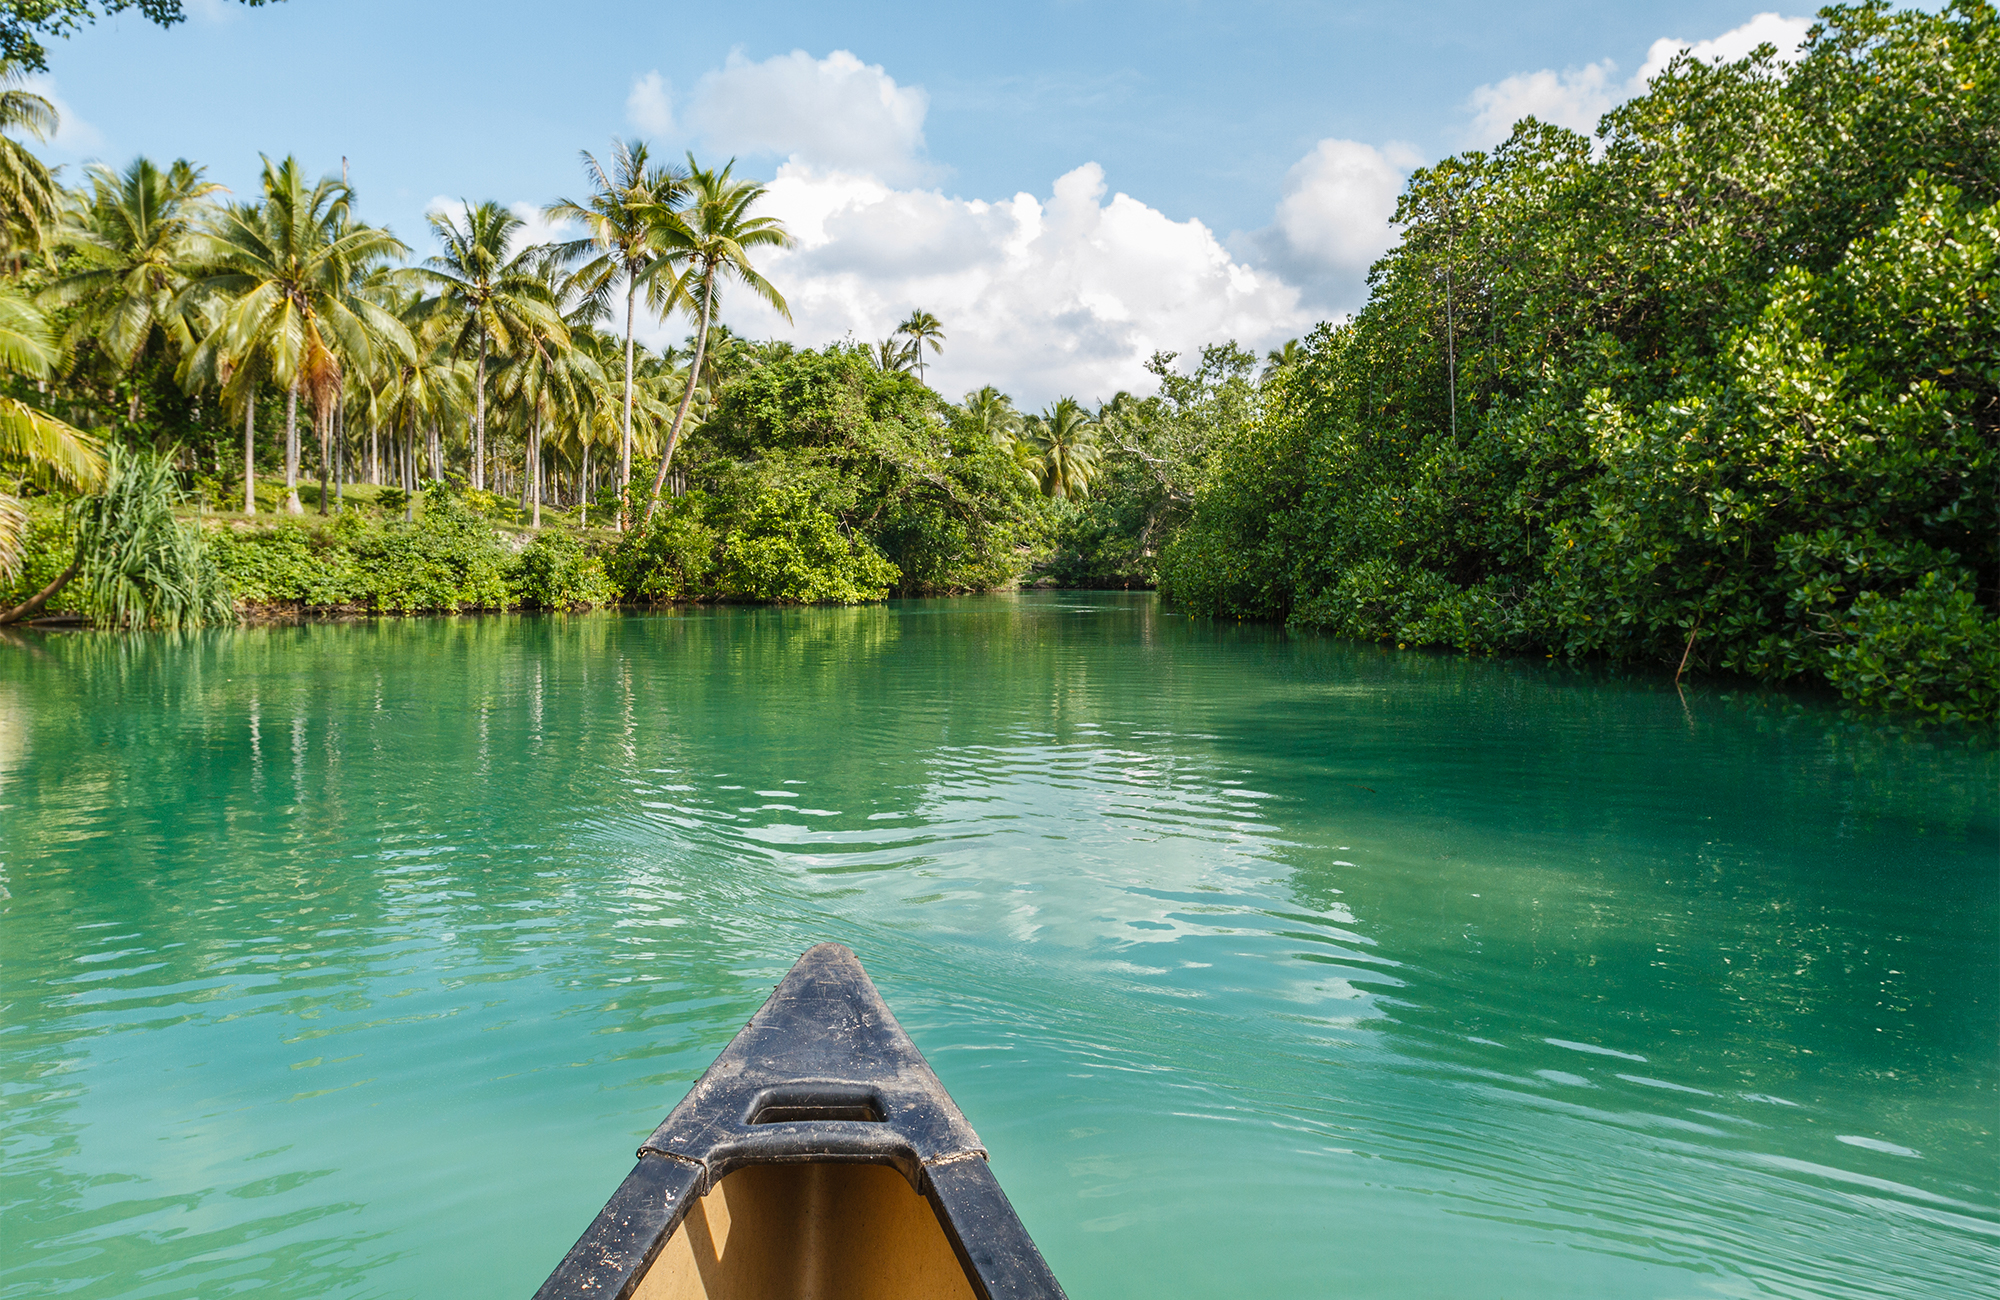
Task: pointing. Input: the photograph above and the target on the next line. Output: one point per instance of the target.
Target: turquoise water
(356, 960)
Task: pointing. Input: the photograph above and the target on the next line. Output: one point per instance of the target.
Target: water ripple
(353, 961)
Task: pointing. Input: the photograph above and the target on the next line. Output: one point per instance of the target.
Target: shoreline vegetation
(1714, 391)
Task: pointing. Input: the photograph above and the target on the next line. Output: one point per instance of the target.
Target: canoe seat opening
(808, 1232)
(803, 1104)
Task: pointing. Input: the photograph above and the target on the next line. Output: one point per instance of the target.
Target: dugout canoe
(818, 1157)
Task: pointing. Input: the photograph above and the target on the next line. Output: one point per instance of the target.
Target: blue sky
(1190, 170)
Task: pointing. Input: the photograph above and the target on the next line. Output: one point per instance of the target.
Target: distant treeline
(1718, 389)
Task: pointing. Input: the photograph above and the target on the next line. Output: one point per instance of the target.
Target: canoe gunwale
(824, 1044)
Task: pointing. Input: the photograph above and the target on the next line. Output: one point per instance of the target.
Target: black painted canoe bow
(818, 1157)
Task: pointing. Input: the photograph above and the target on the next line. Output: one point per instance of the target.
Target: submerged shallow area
(355, 960)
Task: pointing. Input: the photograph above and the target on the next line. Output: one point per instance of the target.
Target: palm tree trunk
(687, 398)
(33, 604)
(534, 468)
(625, 432)
(292, 506)
(436, 449)
(374, 455)
(323, 426)
(339, 450)
(479, 417)
(250, 454)
(583, 490)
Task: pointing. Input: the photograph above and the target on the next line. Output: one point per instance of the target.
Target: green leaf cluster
(671, 560)
(786, 550)
(822, 478)
(24, 22)
(1723, 388)
(1153, 452)
(447, 561)
(557, 571)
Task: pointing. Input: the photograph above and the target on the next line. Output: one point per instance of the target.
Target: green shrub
(556, 571)
(291, 563)
(788, 551)
(46, 551)
(1932, 650)
(938, 552)
(671, 559)
(447, 561)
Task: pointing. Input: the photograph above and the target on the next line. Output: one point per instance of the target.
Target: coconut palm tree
(616, 215)
(709, 241)
(600, 418)
(991, 412)
(546, 382)
(727, 355)
(237, 378)
(132, 243)
(336, 376)
(1066, 437)
(892, 357)
(427, 390)
(548, 378)
(1279, 358)
(34, 444)
(287, 274)
(30, 199)
(493, 293)
(919, 329)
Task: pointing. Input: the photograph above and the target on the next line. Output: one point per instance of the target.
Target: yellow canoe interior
(808, 1232)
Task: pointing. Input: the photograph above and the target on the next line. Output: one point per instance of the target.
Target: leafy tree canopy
(1718, 392)
(23, 23)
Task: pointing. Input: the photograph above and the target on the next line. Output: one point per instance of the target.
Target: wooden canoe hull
(820, 1158)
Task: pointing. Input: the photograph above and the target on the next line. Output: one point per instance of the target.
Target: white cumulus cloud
(1577, 97)
(1785, 33)
(1332, 220)
(1066, 295)
(836, 112)
(649, 108)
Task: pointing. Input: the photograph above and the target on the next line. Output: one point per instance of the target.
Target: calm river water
(356, 960)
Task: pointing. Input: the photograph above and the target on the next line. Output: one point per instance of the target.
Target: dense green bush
(448, 560)
(47, 549)
(290, 563)
(556, 571)
(1726, 388)
(787, 550)
(874, 450)
(670, 560)
(777, 546)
